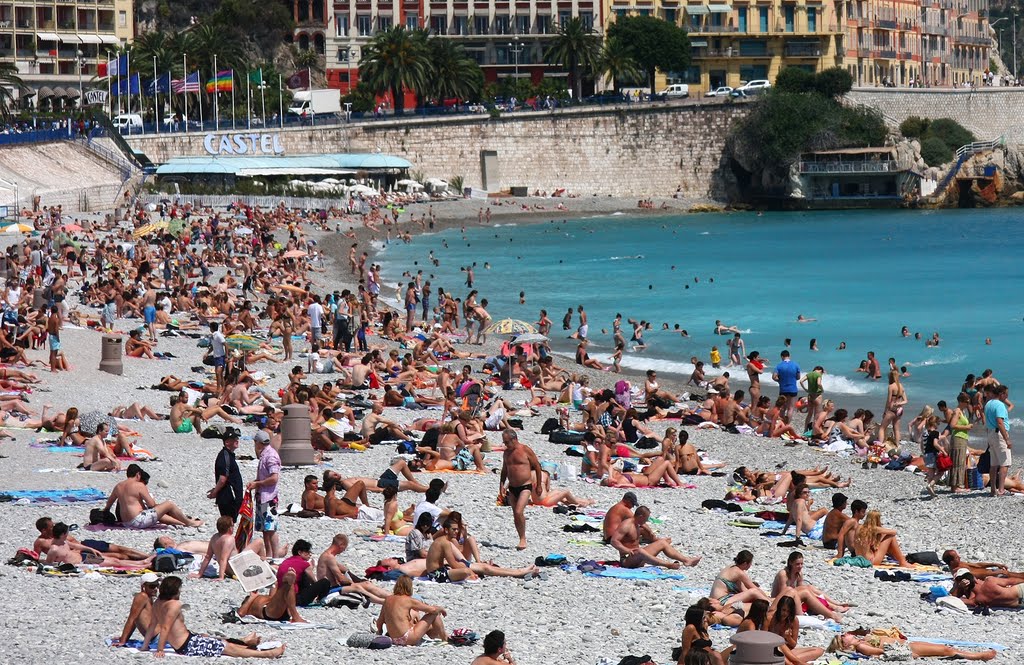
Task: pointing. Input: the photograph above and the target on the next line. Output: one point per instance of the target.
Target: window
(439, 25)
(643, 12)
(543, 24)
(790, 18)
(461, 25)
(343, 55)
(522, 25)
(122, 19)
(364, 23)
(563, 17)
(501, 25)
(476, 54)
(621, 12)
(812, 19)
(481, 25)
(412, 22)
(587, 18)
(716, 21)
(341, 24)
(743, 19)
(670, 15)
(384, 23)
(753, 47)
(762, 19)
(753, 72)
(501, 55)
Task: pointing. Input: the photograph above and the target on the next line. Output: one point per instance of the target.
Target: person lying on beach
(140, 614)
(988, 592)
(447, 563)
(136, 411)
(810, 599)
(550, 498)
(890, 647)
(980, 569)
(627, 541)
(136, 508)
(168, 627)
(344, 506)
(874, 542)
(186, 419)
(42, 544)
(652, 476)
(64, 551)
(407, 620)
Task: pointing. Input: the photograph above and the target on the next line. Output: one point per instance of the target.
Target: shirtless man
(141, 613)
(834, 521)
(136, 507)
(620, 511)
(375, 424)
(980, 569)
(222, 547)
(408, 620)
(311, 498)
(989, 592)
(446, 563)
(64, 551)
(97, 455)
(626, 540)
(495, 651)
(328, 567)
(168, 626)
(522, 471)
(110, 550)
(848, 532)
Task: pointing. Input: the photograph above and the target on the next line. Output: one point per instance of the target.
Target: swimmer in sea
(905, 332)
(801, 319)
(722, 329)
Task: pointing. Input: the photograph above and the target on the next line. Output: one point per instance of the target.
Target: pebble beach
(567, 618)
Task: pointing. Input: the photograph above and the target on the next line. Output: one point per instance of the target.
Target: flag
(127, 86)
(299, 79)
(222, 82)
(161, 85)
(189, 84)
(117, 66)
(256, 77)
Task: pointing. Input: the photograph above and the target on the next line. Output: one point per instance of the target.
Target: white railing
(979, 146)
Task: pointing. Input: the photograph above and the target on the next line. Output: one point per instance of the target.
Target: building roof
(289, 165)
(856, 151)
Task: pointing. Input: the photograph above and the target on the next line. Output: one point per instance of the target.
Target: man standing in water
(786, 374)
(1000, 449)
(874, 371)
(521, 469)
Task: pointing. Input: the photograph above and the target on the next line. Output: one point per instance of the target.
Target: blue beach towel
(56, 496)
(646, 573)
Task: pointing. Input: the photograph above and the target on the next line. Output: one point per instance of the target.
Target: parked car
(721, 91)
(755, 87)
(128, 122)
(676, 91)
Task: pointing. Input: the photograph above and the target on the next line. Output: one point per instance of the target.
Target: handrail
(980, 146)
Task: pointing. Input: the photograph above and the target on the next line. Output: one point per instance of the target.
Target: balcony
(713, 29)
(907, 55)
(802, 51)
(885, 24)
(729, 53)
(887, 54)
(934, 29)
(848, 167)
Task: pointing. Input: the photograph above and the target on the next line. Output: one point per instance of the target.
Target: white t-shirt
(217, 345)
(316, 315)
(426, 507)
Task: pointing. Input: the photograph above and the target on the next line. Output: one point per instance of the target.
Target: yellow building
(56, 45)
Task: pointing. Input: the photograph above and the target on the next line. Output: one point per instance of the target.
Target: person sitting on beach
(583, 358)
(695, 638)
(783, 621)
(495, 651)
(344, 506)
(42, 544)
(446, 563)
(311, 499)
(186, 419)
(834, 521)
(891, 647)
(801, 515)
(98, 457)
(874, 542)
(613, 516)
(140, 614)
(733, 585)
(626, 540)
(790, 581)
(376, 428)
(980, 569)
(222, 547)
(415, 540)
(64, 551)
(278, 605)
(654, 396)
(168, 627)
(136, 347)
(407, 620)
(136, 508)
(550, 498)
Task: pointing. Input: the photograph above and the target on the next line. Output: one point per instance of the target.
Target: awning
(45, 92)
(248, 173)
(697, 10)
(71, 39)
(48, 36)
(698, 42)
(72, 93)
(720, 9)
(59, 92)
(91, 39)
(110, 39)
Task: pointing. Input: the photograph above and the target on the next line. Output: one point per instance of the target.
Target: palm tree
(308, 59)
(617, 64)
(9, 82)
(453, 74)
(395, 61)
(577, 48)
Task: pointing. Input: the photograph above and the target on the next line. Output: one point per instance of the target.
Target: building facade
(507, 37)
(310, 18)
(57, 45)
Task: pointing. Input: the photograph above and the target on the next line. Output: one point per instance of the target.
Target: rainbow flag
(223, 82)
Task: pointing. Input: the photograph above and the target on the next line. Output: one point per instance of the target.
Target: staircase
(963, 153)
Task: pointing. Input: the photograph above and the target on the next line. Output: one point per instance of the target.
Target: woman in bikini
(893, 647)
(823, 421)
(874, 542)
(695, 637)
(784, 623)
(896, 399)
(733, 585)
(652, 476)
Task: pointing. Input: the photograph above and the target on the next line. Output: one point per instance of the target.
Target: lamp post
(81, 63)
(516, 49)
(1014, 22)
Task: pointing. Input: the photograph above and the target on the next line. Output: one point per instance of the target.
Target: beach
(566, 618)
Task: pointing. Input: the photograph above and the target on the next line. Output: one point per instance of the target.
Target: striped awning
(70, 39)
(697, 10)
(91, 39)
(698, 42)
(48, 36)
(719, 9)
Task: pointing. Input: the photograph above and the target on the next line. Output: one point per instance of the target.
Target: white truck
(316, 102)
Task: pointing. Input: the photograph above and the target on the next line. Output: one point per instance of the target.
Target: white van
(676, 91)
(128, 122)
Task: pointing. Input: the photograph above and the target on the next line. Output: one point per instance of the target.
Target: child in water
(716, 357)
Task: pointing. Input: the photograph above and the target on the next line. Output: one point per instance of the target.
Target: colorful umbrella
(243, 342)
(510, 327)
(147, 229)
(19, 228)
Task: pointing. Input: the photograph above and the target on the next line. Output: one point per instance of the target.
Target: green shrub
(914, 127)
(833, 82)
(950, 132)
(935, 152)
(795, 79)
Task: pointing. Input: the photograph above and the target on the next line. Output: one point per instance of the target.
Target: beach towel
(121, 527)
(960, 643)
(283, 625)
(83, 495)
(645, 573)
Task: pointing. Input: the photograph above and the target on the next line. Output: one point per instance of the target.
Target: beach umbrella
(152, 227)
(243, 342)
(71, 227)
(19, 228)
(88, 423)
(175, 227)
(529, 338)
(510, 327)
(295, 254)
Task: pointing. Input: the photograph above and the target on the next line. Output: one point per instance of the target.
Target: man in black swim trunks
(834, 521)
(521, 469)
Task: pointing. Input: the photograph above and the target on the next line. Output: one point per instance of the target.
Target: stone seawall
(623, 151)
(987, 112)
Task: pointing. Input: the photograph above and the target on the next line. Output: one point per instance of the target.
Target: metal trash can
(756, 647)
(296, 437)
(110, 360)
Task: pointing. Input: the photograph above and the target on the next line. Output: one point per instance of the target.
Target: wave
(1016, 423)
(625, 258)
(953, 360)
(704, 233)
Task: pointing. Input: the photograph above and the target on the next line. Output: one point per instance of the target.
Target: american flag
(189, 84)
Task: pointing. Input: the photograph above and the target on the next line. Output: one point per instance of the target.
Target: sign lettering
(243, 144)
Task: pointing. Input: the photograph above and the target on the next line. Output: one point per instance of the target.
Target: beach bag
(924, 558)
(565, 436)
(549, 426)
(101, 516)
(406, 447)
(171, 560)
(944, 461)
(646, 443)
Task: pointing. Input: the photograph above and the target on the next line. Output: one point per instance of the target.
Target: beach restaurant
(382, 172)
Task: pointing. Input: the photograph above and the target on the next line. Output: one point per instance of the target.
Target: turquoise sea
(862, 274)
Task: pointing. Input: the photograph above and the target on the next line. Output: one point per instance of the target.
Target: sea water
(862, 274)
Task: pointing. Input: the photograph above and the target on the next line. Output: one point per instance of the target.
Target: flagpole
(118, 61)
(280, 99)
(156, 96)
(309, 86)
(232, 98)
(184, 74)
(128, 70)
(216, 96)
(110, 98)
(263, 97)
(248, 101)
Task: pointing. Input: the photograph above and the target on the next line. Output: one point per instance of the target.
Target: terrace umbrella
(295, 254)
(510, 327)
(242, 342)
(529, 338)
(71, 227)
(19, 228)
